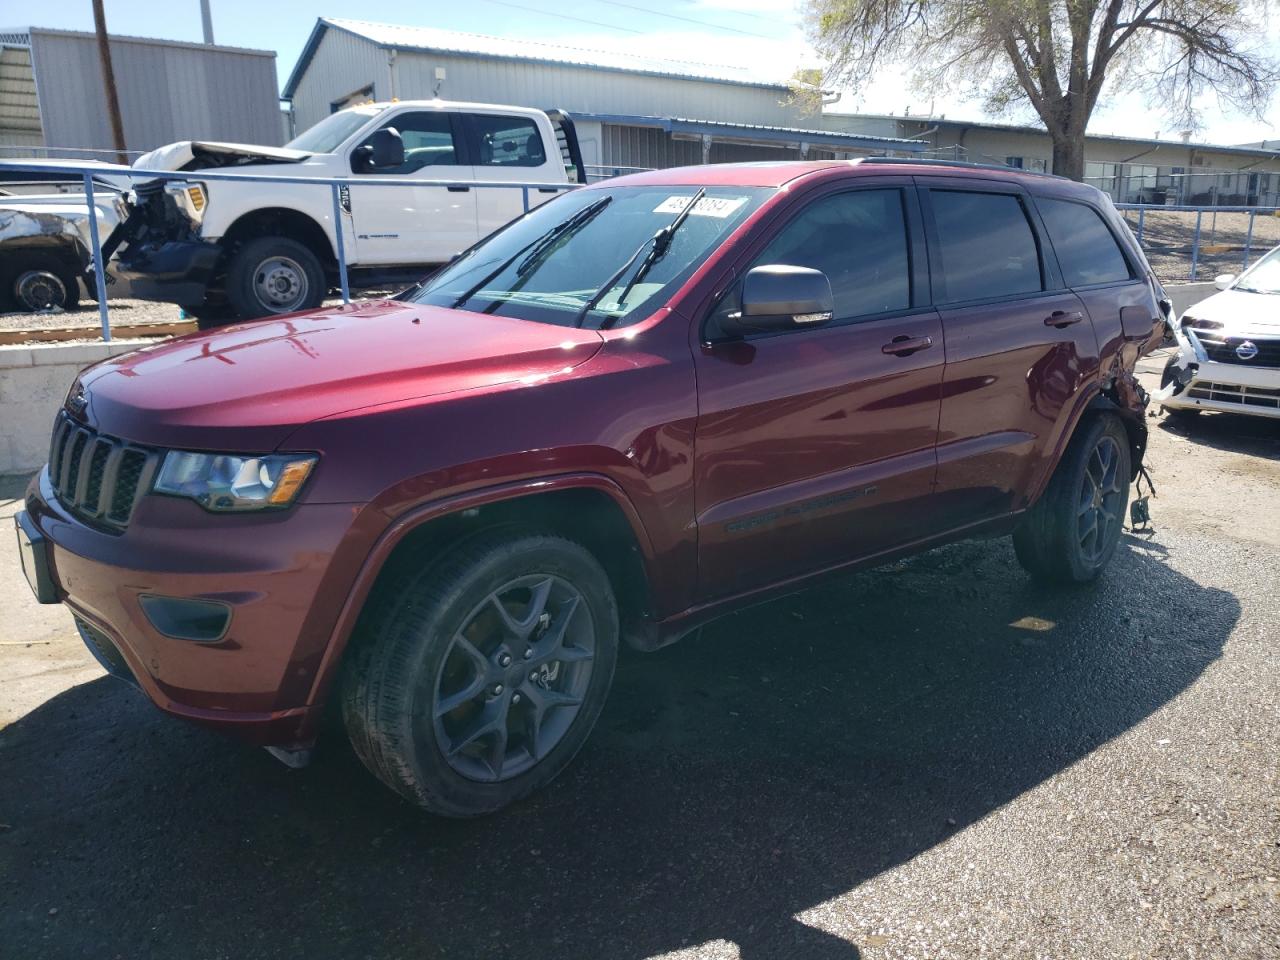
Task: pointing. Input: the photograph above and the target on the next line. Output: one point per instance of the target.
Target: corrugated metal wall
(344, 62)
(341, 65)
(168, 91)
(19, 113)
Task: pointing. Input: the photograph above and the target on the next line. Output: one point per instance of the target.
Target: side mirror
(1224, 280)
(781, 297)
(383, 149)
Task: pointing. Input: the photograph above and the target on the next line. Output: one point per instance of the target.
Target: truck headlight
(225, 482)
(190, 198)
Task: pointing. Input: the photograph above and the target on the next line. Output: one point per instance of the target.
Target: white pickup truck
(224, 249)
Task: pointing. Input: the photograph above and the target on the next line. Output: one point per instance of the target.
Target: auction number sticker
(719, 207)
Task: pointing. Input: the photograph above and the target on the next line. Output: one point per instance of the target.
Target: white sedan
(1229, 347)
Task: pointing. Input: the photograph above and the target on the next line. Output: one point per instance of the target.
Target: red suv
(645, 403)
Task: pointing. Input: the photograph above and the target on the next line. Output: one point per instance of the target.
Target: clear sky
(763, 33)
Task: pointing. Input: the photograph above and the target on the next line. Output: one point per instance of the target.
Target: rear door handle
(1062, 319)
(904, 346)
(458, 189)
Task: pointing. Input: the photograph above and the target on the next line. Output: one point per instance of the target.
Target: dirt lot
(934, 759)
(1167, 240)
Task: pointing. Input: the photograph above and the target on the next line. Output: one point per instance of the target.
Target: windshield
(1263, 276)
(331, 132)
(552, 265)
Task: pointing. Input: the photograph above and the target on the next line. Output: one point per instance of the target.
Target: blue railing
(335, 184)
(1253, 212)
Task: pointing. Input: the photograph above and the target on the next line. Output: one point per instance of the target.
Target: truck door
(512, 149)
(1019, 346)
(409, 224)
(816, 446)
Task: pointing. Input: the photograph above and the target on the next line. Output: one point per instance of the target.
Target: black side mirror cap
(384, 148)
(779, 296)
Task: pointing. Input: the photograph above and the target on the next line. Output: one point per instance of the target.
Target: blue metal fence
(1246, 250)
(335, 184)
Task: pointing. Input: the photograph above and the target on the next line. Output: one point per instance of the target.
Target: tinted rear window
(1087, 251)
(986, 245)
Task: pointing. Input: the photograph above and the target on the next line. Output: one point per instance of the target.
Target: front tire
(1072, 531)
(475, 680)
(36, 283)
(274, 275)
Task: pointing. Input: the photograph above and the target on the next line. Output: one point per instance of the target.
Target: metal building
(51, 92)
(631, 111)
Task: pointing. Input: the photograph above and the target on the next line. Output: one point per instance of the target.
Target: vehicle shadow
(1229, 432)
(735, 780)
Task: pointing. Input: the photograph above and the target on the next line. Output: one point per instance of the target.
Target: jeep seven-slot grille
(95, 476)
(1224, 351)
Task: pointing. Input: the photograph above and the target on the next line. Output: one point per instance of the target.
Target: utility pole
(206, 20)
(109, 81)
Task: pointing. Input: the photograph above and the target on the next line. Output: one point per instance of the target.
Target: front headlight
(224, 482)
(190, 198)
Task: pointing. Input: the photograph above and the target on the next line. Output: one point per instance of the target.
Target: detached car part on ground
(44, 249)
(1229, 348)
(225, 250)
(643, 405)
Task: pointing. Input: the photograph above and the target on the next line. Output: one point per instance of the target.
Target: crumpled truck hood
(207, 154)
(246, 387)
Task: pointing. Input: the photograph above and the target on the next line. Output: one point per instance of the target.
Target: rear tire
(274, 275)
(462, 709)
(1072, 531)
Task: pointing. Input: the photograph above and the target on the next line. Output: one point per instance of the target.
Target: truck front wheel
(474, 680)
(273, 275)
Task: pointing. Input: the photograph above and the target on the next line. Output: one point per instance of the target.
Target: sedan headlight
(190, 198)
(225, 482)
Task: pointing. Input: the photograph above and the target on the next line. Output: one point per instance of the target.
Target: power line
(675, 16)
(565, 16)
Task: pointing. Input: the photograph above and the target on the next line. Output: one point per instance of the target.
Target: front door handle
(458, 189)
(1062, 319)
(904, 346)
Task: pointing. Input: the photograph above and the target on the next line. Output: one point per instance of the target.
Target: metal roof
(394, 37)
(760, 132)
(21, 37)
(1032, 129)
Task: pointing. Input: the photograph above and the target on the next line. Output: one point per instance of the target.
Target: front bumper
(179, 271)
(1209, 384)
(256, 679)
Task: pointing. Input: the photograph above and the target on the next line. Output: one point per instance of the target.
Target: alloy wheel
(1101, 500)
(513, 679)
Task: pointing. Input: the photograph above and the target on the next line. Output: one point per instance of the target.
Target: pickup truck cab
(649, 402)
(225, 249)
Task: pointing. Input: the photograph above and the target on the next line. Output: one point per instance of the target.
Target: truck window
(859, 240)
(428, 141)
(506, 141)
(986, 245)
(1086, 249)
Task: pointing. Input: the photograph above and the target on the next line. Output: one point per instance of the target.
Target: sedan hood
(207, 154)
(247, 386)
(1241, 313)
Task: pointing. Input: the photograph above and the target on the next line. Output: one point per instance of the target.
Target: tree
(1056, 55)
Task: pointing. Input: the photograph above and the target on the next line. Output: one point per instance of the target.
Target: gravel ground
(934, 759)
(1167, 239)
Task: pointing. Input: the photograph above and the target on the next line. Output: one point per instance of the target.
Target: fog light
(201, 621)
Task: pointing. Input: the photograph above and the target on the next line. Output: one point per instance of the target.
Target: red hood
(246, 387)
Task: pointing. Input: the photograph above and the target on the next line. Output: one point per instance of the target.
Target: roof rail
(960, 164)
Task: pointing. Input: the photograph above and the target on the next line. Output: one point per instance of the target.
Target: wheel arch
(587, 508)
(283, 222)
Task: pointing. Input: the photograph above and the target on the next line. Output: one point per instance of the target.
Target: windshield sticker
(719, 207)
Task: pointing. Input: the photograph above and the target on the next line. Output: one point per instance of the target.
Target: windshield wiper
(657, 247)
(538, 247)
